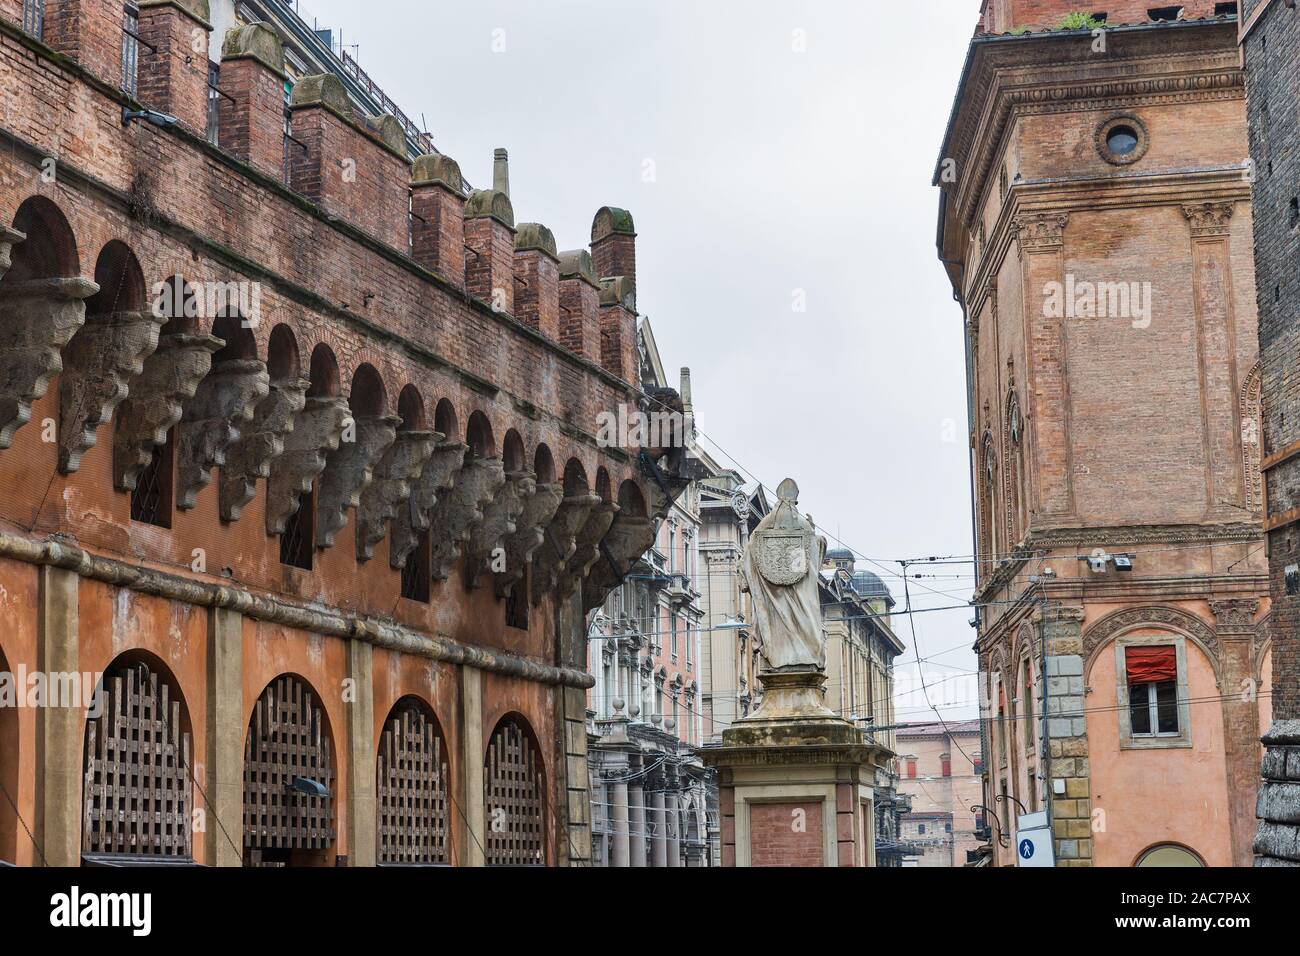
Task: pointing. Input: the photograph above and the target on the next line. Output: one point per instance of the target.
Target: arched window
(137, 798)
(34, 18)
(1015, 458)
(412, 788)
(288, 778)
(514, 792)
(1169, 854)
(988, 497)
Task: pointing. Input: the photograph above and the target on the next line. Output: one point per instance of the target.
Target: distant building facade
(941, 774)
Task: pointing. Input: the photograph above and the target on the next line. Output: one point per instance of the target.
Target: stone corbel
(224, 403)
(586, 547)
(530, 532)
(559, 542)
(627, 539)
(413, 517)
(317, 431)
(8, 239)
(349, 471)
(500, 521)
(260, 442)
(396, 472)
(156, 401)
(37, 319)
(460, 510)
(105, 354)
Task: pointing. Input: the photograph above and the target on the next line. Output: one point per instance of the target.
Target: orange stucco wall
(1177, 795)
(19, 590)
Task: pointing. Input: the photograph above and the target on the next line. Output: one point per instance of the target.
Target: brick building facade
(301, 465)
(1096, 228)
(1270, 38)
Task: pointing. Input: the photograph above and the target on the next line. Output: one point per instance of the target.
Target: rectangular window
(34, 18)
(1152, 677)
(673, 635)
(299, 534)
(1029, 708)
(517, 606)
(214, 101)
(131, 49)
(151, 499)
(417, 573)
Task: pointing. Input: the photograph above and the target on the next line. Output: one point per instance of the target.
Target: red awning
(1150, 665)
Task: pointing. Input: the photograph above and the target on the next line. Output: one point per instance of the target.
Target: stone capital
(1208, 220)
(1040, 232)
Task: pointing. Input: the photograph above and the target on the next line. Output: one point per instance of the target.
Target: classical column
(224, 837)
(59, 724)
(658, 836)
(1217, 357)
(1040, 240)
(636, 816)
(618, 819)
(673, 824)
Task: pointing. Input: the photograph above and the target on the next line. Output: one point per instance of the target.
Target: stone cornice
(1043, 75)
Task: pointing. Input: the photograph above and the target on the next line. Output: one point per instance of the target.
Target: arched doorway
(288, 778)
(137, 801)
(411, 788)
(514, 794)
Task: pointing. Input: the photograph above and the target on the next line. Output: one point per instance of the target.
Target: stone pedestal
(795, 780)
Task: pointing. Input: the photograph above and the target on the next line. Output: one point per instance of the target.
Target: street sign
(1034, 848)
(1033, 841)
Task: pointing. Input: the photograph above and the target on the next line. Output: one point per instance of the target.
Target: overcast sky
(772, 153)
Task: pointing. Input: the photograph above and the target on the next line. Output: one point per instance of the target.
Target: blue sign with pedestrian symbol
(1026, 849)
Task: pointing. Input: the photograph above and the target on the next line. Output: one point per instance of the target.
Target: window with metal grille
(151, 500)
(34, 18)
(214, 101)
(299, 531)
(416, 573)
(131, 49)
(288, 777)
(136, 801)
(513, 794)
(517, 606)
(412, 789)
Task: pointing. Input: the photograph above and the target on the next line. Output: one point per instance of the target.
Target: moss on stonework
(576, 264)
(436, 168)
(533, 235)
(322, 89)
(490, 204)
(198, 9)
(255, 41)
(611, 220)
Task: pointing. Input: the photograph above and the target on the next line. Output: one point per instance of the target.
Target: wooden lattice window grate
(137, 795)
(412, 789)
(287, 743)
(513, 795)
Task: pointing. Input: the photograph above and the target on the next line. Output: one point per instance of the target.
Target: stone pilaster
(224, 777)
(59, 733)
(1041, 243)
(1217, 356)
(1241, 731)
(575, 838)
(361, 755)
(1067, 732)
(473, 821)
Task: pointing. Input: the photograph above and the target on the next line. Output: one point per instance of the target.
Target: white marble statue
(781, 569)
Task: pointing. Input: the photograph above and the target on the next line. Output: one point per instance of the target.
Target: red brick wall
(580, 318)
(615, 255)
(438, 232)
(350, 175)
(89, 31)
(537, 294)
(167, 81)
(774, 839)
(1003, 16)
(251, 121)
(490, 263)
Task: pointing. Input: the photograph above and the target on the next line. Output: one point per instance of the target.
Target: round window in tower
(1122, 140)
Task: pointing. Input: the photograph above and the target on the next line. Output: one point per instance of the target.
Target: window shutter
(1150, 665)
